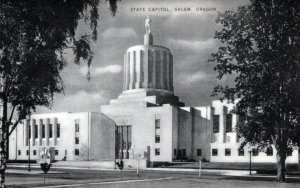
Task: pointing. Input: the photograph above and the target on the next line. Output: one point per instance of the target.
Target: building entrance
(123, 141)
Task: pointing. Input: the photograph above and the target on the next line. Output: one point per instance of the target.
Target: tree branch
(14, 126)
(12, 113)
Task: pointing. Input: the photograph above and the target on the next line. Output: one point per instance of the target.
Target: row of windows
(216, 123)
(50, 128)
(241, 152)
(157, 131)
(34, 152)
(157, 135)
(76, 136)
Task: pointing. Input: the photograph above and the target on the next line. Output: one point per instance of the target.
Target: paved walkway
(33, 171)
(203, 171)
(107, 183)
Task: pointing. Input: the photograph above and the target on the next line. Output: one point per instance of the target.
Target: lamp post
(200, 166)
(29, 136)
(137, 168)
(250, 165)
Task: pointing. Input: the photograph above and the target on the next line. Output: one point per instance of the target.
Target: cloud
(192, 45)
(195, 77)
(80, 101)
(112, 69)
(121, 32)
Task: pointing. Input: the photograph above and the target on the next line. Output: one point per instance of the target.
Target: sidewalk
(33, 171)
(94, 165)
(79, 165)
(208, 171)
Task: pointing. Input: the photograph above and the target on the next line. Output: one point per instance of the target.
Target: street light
(250, 166)
(200, 166)
(29, 136)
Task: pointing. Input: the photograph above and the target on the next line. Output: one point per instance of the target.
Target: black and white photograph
(149, 93)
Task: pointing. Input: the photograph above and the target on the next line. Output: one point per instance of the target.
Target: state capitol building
(147, 121)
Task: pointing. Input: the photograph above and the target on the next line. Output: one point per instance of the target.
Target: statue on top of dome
(147, 25)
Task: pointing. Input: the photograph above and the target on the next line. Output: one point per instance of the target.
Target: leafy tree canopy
(33, 37)
(260, 45)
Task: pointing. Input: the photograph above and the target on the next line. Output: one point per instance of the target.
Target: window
(175, 152)
(227, 152)
(58, 130)
(76, 140)
(34, 152)
(184, 152)
(77, 152)
(228, 122)
(50, 131)
(43, 130)
(269, 151)
(241, 152)
(27, 152)
(157, 151)
(29, 131)
(214, 152)
(216, 122)
(254, 152)
(19, 152)
(179, 153)
(35, 131)
(157, 131)
(77, 125)
(199, 152)
(157, 139)
(157, 124)
(289, 152)
(123, 141)
(56, 152)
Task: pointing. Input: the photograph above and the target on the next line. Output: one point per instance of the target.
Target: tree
(33, 37)
(45, 168)
(260, 47)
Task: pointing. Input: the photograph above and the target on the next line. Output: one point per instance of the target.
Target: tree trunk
(3, 168)
(4, 148)
(281, 156)
(3, 144)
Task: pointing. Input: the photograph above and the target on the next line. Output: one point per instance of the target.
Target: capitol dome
(148, 66)
(148, 74)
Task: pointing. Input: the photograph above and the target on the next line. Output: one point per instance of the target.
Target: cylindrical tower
(148, 66)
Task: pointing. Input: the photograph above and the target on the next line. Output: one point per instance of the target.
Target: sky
(188, 34)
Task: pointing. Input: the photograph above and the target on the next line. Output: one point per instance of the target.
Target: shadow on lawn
(268, 179)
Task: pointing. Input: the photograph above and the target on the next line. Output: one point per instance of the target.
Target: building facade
(72, 136)
(160, 126)
(225, 142)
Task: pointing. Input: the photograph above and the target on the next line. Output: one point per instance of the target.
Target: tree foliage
(260, 46)
(34, 35)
